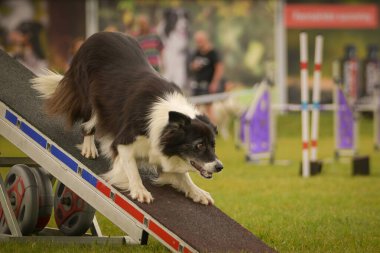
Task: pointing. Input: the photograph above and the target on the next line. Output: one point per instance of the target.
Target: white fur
(46, 84)
(105, 145)
(125, 174)
(183, 183)
(117, 176)
(88, 147)
(210, 167)
(175, 164)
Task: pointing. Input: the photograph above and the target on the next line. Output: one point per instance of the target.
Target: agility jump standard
(316, 97)
(310, 165)
(175, 221)
(304, 104)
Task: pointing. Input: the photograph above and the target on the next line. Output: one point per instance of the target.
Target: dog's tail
(64, 95)
(46, 84)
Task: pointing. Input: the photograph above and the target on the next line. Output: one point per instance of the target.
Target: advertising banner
(331, 16)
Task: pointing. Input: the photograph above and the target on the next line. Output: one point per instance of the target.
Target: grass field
(332, 212)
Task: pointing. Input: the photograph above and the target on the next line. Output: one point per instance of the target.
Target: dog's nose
(218, 166)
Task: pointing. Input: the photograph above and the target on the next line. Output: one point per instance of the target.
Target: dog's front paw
(90, 152)
(89, 149)
(141, 194)
(200, 196)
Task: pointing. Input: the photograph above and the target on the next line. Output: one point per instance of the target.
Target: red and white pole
(316, 97)
(304, 105)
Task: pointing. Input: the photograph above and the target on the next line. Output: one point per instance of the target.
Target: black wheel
(72, 214)
(21, 187)
(45, 197)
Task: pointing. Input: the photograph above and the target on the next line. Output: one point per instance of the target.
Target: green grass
(332, 212)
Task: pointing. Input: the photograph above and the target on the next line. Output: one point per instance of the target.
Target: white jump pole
(316, 97)
(304, 105)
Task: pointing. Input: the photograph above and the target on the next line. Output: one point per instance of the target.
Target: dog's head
(193, 140)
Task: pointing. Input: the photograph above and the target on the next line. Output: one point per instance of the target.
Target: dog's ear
(179, 119)
(206, 120)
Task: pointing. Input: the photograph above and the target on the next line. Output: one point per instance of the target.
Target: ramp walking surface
(205, 228)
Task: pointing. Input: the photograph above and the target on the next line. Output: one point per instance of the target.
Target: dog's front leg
(183, 183)
(88, 148)
(128, 163)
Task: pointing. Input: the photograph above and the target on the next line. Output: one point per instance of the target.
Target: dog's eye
(200, 146)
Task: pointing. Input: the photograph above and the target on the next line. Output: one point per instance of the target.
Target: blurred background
(256, 39)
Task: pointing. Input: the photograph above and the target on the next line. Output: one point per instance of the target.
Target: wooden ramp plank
(205, 228)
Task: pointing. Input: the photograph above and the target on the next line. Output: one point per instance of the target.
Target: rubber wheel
(72, 214)
(45, 196)
(22, 190)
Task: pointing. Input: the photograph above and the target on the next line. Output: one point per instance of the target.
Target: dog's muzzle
(208, 169)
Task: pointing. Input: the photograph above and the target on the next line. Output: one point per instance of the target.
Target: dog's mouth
(204, 173)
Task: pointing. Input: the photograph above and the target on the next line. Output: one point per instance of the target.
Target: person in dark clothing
(207, 68)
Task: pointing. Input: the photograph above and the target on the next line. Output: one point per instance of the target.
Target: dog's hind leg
(128, 163)
(88, 148)
(183, 183)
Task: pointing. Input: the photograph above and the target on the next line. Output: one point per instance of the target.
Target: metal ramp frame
(175, 221)
(72, 173)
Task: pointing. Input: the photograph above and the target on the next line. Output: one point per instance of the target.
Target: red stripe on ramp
(314, 143)
(129, 208)
(164, 235)
(305, 145)
(317, 67)
(103, 188)
(186, 250)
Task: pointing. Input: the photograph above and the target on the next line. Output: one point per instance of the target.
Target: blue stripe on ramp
(64, 158)
(33, 134)
(89, 177)
(11, 117)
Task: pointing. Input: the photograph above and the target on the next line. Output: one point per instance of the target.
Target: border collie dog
(139, 117)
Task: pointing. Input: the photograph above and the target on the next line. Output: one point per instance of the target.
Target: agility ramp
(178, 223)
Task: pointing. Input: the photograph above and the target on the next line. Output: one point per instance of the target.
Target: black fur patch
(206, 120)
(194, 140)
(179, 118)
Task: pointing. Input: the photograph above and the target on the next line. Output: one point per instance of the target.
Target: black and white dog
(138, 117)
